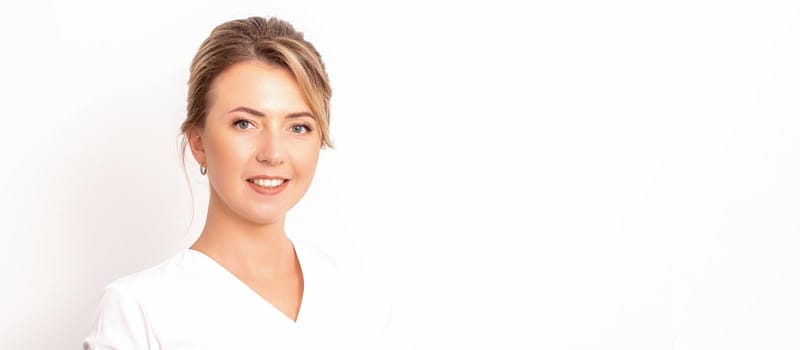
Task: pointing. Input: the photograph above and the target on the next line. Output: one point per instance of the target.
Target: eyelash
(238, 121)
(306, 126)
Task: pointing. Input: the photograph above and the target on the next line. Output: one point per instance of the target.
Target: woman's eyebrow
(247, 110)
(259, 114)
(300, 115)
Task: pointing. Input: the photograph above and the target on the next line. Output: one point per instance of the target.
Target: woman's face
(260, 142)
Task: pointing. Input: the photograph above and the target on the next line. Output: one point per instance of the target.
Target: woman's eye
(241, 123)
(300, 129)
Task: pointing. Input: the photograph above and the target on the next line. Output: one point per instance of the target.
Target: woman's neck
(244, 247)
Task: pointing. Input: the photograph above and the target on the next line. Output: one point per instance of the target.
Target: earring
(203, 170)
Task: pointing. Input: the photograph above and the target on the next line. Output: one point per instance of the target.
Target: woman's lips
(269, 187)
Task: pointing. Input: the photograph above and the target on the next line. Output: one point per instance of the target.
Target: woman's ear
(195, 137)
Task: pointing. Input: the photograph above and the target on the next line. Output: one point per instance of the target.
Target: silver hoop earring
(203, 170)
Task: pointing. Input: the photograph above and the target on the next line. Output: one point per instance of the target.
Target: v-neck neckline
(241, 284)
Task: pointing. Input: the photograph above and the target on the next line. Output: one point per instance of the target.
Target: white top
(191, 302)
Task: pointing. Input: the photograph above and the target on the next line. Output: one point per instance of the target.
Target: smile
(267, 183)
(268, 187)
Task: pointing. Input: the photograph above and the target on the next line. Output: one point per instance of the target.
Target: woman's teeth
(268, 183)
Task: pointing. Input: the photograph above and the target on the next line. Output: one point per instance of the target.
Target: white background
(558, 175)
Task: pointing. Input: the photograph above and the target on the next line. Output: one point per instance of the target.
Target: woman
(258, 112)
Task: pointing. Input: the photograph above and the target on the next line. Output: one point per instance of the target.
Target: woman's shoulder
(311, 252)
(350, 283)
(152, 280)
(123, 315)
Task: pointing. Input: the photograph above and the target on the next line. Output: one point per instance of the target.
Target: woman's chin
(266, 220)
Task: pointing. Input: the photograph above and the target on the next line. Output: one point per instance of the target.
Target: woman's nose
(271, 149)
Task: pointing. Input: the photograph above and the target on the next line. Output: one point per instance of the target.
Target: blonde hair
(272, 41)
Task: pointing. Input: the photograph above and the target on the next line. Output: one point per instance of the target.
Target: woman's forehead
(262, 87)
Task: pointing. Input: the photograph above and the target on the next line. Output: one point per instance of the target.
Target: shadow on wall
(118, 204)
